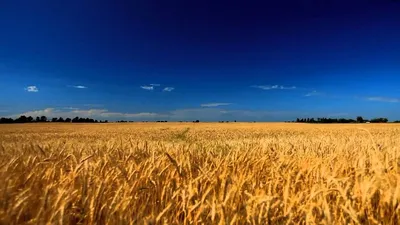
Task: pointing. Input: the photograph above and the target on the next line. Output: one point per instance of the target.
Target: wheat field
(206, 173)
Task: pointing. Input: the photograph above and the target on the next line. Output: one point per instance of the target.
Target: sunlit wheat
(184, 173)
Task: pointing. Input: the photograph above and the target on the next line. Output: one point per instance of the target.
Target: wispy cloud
(313, 93)
(214, 104)
(383, 99)
(78, 86)
(129, 115)
(71, 108)
(202, 114)
(216, 114)
(169, 89)
(92, 113)
(149, 88)
(155, 85)
(274, 87)
(32, 89)
(93, 105)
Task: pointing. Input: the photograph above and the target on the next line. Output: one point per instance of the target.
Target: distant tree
(360, 119)
(379, 120)
(374, 120)
(24, 119)
(105, 121)
(6, 120)
(21, 119)
(329, 120)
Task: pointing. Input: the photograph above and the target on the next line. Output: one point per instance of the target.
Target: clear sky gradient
(208, 60)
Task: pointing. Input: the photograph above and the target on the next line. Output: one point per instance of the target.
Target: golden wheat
(147, 173)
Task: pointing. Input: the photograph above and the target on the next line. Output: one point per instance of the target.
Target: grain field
(206, 173)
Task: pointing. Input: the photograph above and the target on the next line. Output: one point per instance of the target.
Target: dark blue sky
(213, 60)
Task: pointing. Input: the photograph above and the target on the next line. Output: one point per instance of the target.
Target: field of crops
(189, 173)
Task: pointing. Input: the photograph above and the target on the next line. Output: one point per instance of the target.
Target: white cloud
(313, 93)
(71, 108)
(214, 104)
(91, 113)
(149, 88)
(273, 87)
(155, 85)
(383, 99)
(32, 89)
(93, 105)
(78, 86)
(202, 114)
(216, 114)
(169, 89)
(130, 115)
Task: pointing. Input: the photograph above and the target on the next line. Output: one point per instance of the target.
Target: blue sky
(207, 60)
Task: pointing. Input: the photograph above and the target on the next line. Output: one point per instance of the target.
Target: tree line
(42, 119)
(359, 119)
